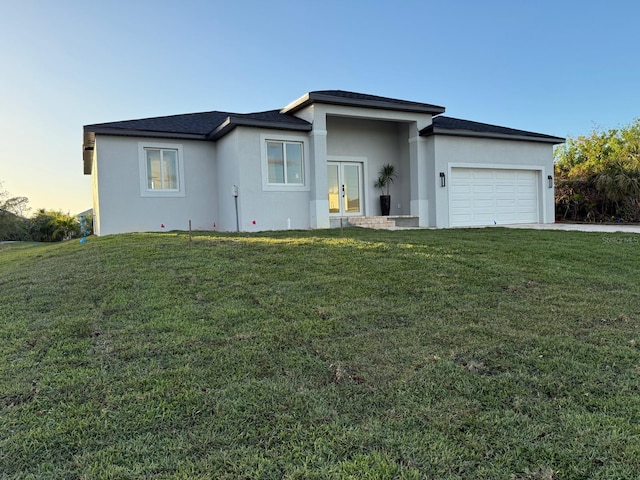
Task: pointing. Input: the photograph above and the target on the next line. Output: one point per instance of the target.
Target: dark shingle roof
(341, 97)
(272, 116)
(190, 123)
(214, 125)
(455, 126)
(197, 124)
(268, 119)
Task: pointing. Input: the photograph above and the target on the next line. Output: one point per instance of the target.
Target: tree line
(43, 226)
(598, 176)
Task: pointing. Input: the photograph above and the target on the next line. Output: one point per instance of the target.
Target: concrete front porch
(377, 222)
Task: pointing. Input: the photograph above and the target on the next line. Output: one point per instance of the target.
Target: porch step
(378, 222)
(371, 222)
(405, 221)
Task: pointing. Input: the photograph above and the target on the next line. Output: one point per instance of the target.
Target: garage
(487, 196)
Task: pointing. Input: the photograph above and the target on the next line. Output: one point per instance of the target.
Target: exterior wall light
(443, 180)
(550, 178)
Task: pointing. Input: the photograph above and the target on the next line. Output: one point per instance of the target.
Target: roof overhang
(432, 130)
(123, 132)
(381, 104)
(90, 132)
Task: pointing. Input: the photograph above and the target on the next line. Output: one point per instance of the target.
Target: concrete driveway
(578, 227)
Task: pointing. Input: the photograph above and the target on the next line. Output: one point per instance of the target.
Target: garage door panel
(508, 175)
(506, 219)
(480, 189)
(527, 174)
(466, 173)
(484, 204)
(485, 217)
(461, 207)
(461, 190)
(526, 190)
(481, 174)
(506, 189)
(484, 196)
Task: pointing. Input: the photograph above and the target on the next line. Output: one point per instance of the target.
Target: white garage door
(484, 196)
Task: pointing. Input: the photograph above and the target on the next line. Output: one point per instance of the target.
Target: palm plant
(386, 176)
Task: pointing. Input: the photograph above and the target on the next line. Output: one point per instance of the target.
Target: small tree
(66, 226)
(50, 226)
(17, 205)
(13, 225)
(386, 176)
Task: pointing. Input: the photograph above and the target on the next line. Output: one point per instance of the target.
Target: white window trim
(284, 187)
(142, 163)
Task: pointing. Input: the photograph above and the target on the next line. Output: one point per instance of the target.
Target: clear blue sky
(557, 67)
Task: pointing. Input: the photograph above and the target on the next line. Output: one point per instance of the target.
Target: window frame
(145, 191)
(284, 139)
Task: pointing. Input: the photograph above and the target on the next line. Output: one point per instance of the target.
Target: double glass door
(345, 188)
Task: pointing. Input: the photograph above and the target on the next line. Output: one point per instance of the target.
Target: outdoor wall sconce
(443, 182)
(550, 178)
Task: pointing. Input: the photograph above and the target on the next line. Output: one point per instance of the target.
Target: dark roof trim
(233, 121)
(89, 141)
(352, 99)
(130, 132)
(465, 128)
(207, 126)
(449, 133)
(221, 130)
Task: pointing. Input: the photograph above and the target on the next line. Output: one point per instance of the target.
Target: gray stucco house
(312, 163)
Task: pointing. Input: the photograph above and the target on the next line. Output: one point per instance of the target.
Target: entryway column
(319, 201)
(419, 176)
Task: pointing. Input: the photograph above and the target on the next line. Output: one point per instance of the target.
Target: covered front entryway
(487, 196)
(345, 187)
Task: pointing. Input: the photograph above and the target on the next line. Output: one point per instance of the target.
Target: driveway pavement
(578, 227)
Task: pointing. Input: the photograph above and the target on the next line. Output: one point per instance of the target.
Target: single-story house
(312, 164)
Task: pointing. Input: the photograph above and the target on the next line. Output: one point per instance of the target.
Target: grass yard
(447, 354)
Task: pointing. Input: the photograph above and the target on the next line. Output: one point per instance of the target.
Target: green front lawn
(474, 353)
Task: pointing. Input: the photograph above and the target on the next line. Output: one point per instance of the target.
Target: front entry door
(345, 188)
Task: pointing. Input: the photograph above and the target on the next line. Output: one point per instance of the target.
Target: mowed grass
(476, 354)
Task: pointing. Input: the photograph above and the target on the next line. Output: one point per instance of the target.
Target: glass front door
(345, 188)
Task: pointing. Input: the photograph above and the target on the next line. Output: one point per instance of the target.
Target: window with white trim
(161, 170)
(285, 162)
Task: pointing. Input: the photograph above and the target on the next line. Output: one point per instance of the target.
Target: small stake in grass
(189, 230)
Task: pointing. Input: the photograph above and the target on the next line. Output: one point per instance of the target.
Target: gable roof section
(199, 126)
(465, 128)
(194, 126)
(353, 99)
(268, 119)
